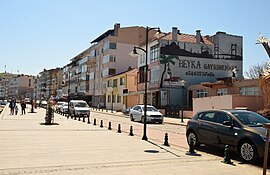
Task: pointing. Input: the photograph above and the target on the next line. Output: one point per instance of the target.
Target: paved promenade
(71, 147)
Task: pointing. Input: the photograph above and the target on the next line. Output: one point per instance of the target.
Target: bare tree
(255, 71)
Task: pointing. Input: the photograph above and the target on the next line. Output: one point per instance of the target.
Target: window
(222, 117)
(141, 74)
(154, 53)
(201, 93)
(109, 83)
(92, 53)
(249, 90)
(142, 59)
(109, 58)
(118, 99)
(208, 116)
(115, 83)
(91, 75)
(122, 81)
(109, 45)
(221, 92)
(154, 75)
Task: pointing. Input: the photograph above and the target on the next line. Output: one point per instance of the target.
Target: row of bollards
(191, 151)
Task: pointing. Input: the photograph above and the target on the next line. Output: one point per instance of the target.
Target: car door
(227, 135)
(207, 127)
(136, 113)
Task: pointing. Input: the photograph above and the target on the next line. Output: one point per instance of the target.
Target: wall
(254, 103)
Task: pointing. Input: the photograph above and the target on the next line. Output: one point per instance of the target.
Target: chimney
(198, 36)
(116, 27)
(174, 34)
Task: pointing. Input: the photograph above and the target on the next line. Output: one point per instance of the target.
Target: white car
(79, 108)
(58, 106)
(64, 108)
(153, 115)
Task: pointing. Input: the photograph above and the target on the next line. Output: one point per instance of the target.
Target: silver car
(153, 115)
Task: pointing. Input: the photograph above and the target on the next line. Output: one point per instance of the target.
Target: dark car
(242, 130)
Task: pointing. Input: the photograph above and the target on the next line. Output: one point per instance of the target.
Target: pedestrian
(23, 106)
(12, 105)
(16, 109)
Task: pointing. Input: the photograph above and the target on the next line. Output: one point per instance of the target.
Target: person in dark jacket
(23, 106)
(12, 105)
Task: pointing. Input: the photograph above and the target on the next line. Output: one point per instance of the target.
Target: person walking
(23, 106)
(16, 109)
(12, 105)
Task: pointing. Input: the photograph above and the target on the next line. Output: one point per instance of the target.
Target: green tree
(166, 60)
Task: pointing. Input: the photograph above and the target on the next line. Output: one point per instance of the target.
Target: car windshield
(65, 104)
(81, 104)
(250, 118)
(150, 108)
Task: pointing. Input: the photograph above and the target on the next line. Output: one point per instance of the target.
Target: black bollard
(79, 118)
(75, 117)
(166, 143)
(119, 128)
(83, 118)
(67, 116)
(95, 122)
(131, 131)
(88, 118)
(110, 126)
(227, 156)
(101, 123)
(191, 147)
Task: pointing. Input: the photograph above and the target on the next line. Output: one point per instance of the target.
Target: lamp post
(68, 91)
(182, 83)
(112, 102)
(145, 77)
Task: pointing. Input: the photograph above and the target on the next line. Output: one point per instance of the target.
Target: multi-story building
(108, 55)
(48, 84)
(4, 86)
(21, 86)
(121, 90)
(176, 58)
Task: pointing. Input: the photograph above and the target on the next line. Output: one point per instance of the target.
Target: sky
(45, 34)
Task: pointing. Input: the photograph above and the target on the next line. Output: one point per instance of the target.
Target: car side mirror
(228, 123)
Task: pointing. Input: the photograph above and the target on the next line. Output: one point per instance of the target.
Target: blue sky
(38, 34)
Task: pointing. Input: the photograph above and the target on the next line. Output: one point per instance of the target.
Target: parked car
(58, 106)
(64, 108)
(242, 130)
(79, 108)
(152, 114)
(126, 111)
(44, 104)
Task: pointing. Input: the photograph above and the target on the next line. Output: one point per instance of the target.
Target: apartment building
(176, 57)
(121, 90)
(48, 83)
(109, 54)
(4, 88)
(21, 86)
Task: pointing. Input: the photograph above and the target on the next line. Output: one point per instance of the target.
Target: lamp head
(182, 83)
(135, 51)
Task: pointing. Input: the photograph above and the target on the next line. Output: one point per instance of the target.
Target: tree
(255, 71)
(166, 60)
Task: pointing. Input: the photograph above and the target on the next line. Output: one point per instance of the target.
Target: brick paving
(72, 147)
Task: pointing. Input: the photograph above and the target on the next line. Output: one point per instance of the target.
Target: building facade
(21, 87)
(121, 90)
(175, 57)
(232, 93)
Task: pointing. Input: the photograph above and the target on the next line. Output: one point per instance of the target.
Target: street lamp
(112, 102)
(182, 83)
(145, 77)
(68, 91)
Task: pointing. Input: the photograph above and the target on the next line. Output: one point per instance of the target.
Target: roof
(187, 38)
(102, 36)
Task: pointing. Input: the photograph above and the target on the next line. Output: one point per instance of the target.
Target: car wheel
(131, 117)
(192, 135)
(248, 151)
